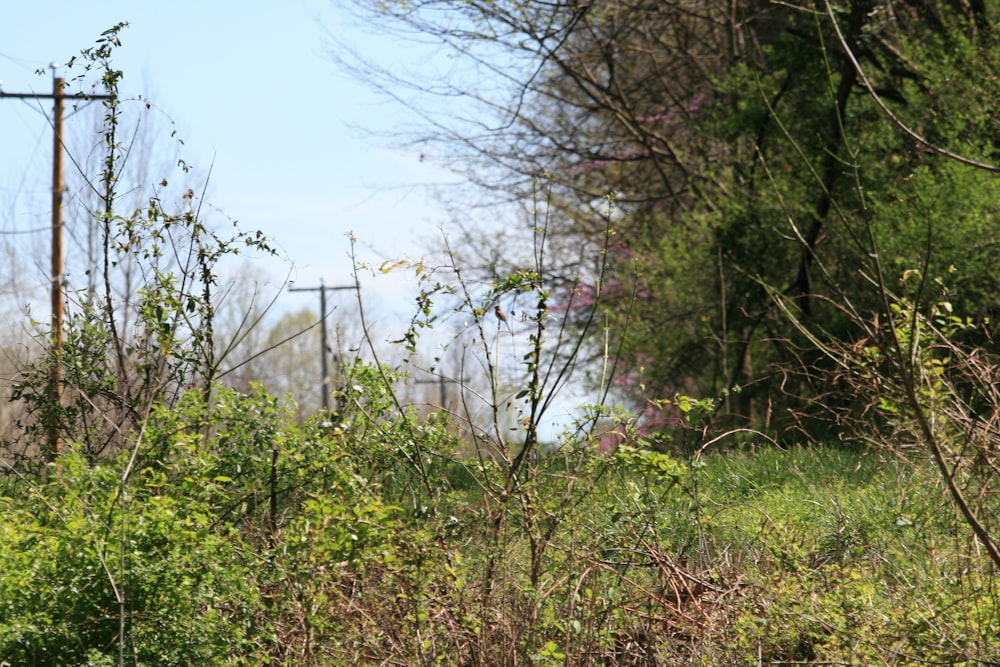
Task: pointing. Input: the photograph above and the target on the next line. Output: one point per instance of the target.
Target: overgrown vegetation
(184, 522)
(230, 535)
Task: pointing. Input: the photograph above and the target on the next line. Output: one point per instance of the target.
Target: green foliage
(748, 152)
(650, 462)
(220, 524)
(78, 555)
(810, 554)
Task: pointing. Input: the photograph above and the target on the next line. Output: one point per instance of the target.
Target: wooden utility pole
(441, 382)
(324, 350)
(56, 370)
(56, 378)
(442, 391)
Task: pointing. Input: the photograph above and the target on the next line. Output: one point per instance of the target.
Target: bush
(83, 559)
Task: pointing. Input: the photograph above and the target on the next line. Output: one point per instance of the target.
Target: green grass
(826, 555)
(808, 555)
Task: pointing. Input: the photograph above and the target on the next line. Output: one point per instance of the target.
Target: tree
(142, 333)
(286, 361)
(729, 138)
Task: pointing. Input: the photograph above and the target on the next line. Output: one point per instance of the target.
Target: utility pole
(441, 382)
(441, 388)
(55, 387)
(323, 347)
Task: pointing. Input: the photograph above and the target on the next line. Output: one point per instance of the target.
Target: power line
(19, 232)
(20, 62)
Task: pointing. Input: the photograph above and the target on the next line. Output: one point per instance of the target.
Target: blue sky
(250, 86)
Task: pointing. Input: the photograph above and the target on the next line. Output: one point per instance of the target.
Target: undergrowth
(299, 546)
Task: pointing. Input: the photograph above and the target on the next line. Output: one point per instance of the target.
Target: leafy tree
(732, 142)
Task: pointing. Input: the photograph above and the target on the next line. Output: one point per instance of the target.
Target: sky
(256, 97)
(253, 92)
